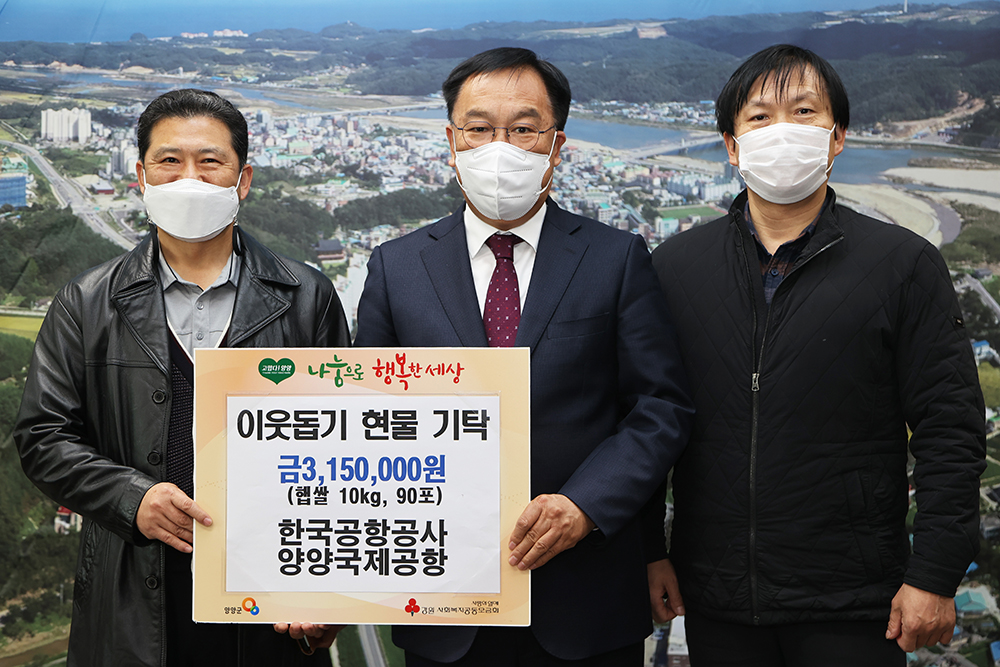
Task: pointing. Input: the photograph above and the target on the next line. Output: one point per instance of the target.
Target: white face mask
(502, 181)
(785, 162)
(192, 210)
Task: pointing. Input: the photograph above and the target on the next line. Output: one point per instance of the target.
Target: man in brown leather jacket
(105, 423)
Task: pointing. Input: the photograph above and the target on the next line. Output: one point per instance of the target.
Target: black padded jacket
(791, 497)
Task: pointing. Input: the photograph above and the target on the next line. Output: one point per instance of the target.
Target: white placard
(423, 517)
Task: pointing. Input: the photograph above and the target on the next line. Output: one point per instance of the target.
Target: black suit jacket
(610, 411)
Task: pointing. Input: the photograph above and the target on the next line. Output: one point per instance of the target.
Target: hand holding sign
(166, 514)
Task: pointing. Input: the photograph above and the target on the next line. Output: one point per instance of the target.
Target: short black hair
(190, 103)
(512, 58)
(780, 62)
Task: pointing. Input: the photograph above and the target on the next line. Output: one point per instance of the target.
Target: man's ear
(560, 141)
(732, 148)
(839, 138)
(450, 131)
(246, 177)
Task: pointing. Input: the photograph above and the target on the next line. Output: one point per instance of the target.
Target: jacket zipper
(758, 363)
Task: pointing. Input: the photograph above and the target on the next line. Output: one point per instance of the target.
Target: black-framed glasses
(523, 135)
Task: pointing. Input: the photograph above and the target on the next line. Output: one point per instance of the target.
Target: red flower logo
(413, 607)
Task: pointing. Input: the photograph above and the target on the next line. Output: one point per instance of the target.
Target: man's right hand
(664, 591)
(166, 514)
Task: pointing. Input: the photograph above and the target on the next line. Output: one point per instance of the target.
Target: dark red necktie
(502, 313)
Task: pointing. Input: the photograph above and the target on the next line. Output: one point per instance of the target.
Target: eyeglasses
(522, 135)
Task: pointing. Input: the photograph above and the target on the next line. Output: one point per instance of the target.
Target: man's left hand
(320, 636)
(550, 524)
(919, 618)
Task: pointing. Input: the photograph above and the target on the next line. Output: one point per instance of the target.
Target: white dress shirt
(483, 261)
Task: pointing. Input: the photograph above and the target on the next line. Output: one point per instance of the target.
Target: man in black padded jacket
(814, 337)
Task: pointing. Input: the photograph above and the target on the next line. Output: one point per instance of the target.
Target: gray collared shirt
(199, 318)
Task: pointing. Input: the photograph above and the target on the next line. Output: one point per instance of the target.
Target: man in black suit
(609, 408)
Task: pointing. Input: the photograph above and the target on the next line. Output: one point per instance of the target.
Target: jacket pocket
(860, 502)
(576, 328)
(85, 564)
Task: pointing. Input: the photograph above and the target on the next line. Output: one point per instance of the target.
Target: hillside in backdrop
(896, 66)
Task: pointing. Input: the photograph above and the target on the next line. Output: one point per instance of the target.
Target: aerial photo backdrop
(348, 149)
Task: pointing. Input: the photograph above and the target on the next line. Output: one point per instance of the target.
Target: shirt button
(774, 272)
(201, 306)
(200, 336)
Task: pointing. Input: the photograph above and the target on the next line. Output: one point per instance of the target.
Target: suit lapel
(447, 263)
(559, 254)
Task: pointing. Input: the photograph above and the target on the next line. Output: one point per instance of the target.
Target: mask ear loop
(236, 188)
(738, 167)
(458, 179)
(548, 159)
(833, 131)
(149, 221)
(237, 239)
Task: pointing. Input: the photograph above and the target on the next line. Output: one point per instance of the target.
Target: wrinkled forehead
(192, 128)
(501, 78)
(790, 81)
(522, 87)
